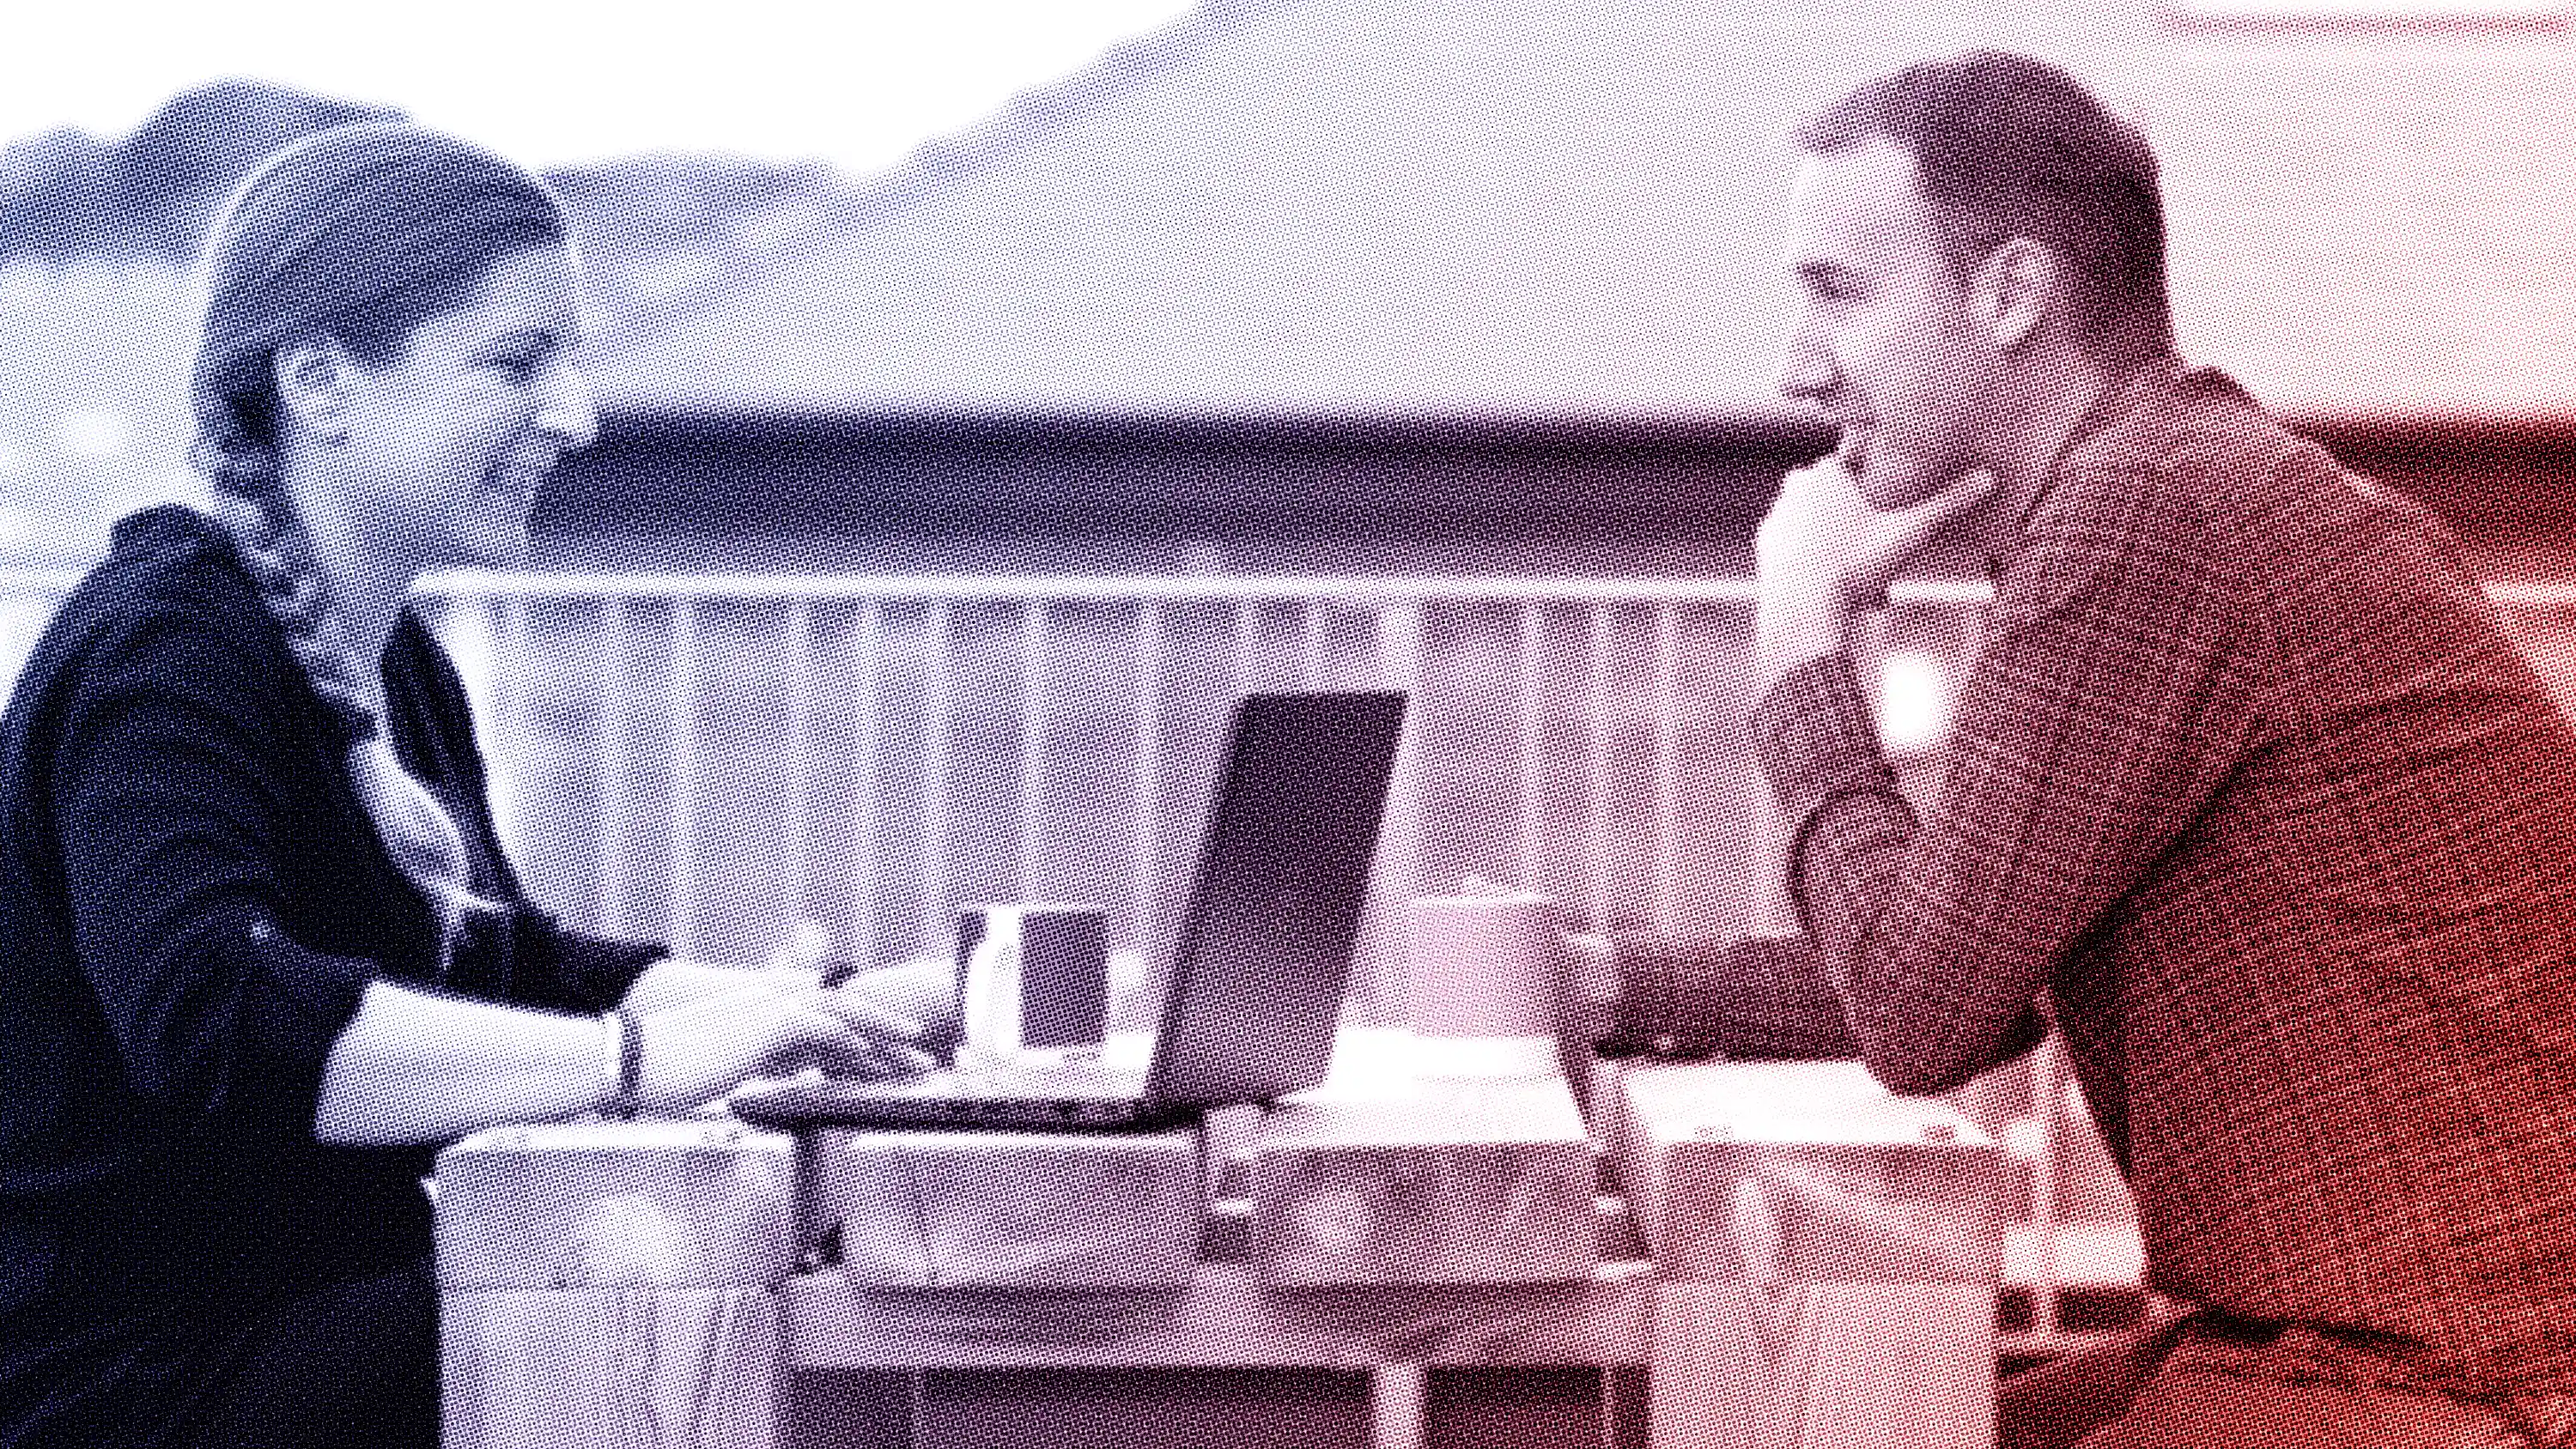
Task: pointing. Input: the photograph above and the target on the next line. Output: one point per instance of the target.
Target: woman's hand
(694, 1052)
(923, 991)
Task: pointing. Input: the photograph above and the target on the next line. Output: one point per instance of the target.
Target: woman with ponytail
(260, 949)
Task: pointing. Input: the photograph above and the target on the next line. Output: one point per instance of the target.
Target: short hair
(2008, 146)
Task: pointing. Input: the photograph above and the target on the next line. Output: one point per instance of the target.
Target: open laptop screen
(1265, 949)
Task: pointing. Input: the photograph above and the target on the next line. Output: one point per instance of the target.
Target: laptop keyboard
(1005, 1100)
(1007, 1085)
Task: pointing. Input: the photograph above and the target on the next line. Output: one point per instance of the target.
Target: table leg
(1823, 1363)
(611, 1368)
(1627, 1391)
(1398, 1396)
(614, 1285)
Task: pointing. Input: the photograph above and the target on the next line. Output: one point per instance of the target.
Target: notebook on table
(1262, 960)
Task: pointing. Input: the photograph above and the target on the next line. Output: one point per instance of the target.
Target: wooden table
(1756, 1254)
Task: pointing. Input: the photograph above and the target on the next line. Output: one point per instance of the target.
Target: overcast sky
(557, 82)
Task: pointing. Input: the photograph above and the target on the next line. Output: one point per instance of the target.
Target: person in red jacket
(2248, 795)
(262, 949)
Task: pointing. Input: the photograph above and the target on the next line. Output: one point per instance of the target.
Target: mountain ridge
(67, 195)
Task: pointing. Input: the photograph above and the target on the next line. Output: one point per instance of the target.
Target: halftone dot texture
(2249, 788)
(1359, 210)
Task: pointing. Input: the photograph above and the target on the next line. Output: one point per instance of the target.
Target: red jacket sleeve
(2111, 694)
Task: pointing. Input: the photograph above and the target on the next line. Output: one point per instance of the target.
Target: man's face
(1887, 343)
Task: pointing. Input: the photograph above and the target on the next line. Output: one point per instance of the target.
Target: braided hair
(358, 234)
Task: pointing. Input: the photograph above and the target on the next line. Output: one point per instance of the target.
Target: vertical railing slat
(1033, 742)
(797, 647)
(1533, 757)
(2048, 1096)
(615, 701)
(867, 931)
(937, 707)
(1667, 768)
(517, 745)
(1149, 773)
(1596, 800)
(684, 776)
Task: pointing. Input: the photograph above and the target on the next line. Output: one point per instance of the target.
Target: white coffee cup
(1490, 976)
(1032, 978)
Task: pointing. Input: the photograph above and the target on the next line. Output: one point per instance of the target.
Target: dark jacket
(192, 905)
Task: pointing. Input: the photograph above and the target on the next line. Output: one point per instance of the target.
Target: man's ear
(2020, 283)
(313, 376)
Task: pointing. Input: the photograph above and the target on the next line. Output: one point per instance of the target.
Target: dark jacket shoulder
(167, 568)
(167, 557)
(169, 590)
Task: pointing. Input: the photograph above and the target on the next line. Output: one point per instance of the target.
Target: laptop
(1259, 971)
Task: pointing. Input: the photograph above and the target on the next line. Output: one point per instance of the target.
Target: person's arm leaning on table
(1756, 998)
(168, 780)
(2104, 708)
(418, 1066)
